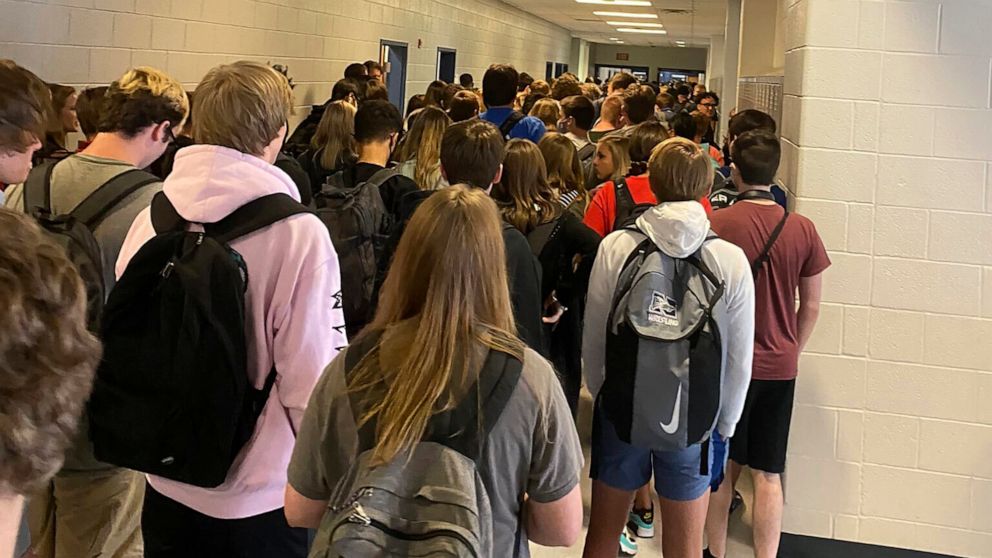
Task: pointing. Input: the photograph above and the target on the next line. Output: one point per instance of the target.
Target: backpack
(299, 141)
(627, 210)
(356, 217)
(74, 231)
(510, 123)
(172, 396)
(663, 351)
(432, 502)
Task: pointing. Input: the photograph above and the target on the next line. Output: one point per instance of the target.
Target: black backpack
(510, 123)
(627, 210)
(356, 217)
(74, 231)
(172, 396)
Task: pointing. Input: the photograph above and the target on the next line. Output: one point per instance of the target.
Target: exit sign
(623, 56)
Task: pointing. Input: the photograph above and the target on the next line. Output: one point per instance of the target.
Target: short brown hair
(610, 111)
(471, 153)
(464, 105)
(565, 87)
(679, 170)
(89, 108)
(24, 107)
(638, 103)
(47, 356)
(242, 106)
(143, 97)
(540, 86)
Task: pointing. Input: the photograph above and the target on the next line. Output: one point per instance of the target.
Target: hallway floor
(739, 545)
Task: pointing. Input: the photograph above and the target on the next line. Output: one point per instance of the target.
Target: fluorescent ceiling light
(634, 24)
(616, 2)
(614, 39)
(649, 31)
(626, 14)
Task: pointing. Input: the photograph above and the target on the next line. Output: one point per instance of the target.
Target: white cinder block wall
(92, 42)
(889, 142)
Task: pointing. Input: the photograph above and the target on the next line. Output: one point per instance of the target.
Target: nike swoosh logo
(673, 424)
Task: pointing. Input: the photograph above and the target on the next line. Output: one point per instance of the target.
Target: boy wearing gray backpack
(667, 353)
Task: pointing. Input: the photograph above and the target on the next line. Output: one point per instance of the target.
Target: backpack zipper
(359, 517)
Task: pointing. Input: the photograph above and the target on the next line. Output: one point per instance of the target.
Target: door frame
(437, 69)
(406, 46)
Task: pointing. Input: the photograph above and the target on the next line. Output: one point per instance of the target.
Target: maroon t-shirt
(798, 252)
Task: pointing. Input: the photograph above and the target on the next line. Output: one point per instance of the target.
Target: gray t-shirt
(73, 179)
(533, 449)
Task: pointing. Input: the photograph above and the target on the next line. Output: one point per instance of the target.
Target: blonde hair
(423, 143)
(335, 135)
(242, 106)
(143, 97)
(449, 274)
(548, 110)
(564, 166)
(619, 149)
(523, 194)
(679, 170)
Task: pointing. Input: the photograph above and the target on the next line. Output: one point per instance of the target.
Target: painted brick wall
(87, 42)
(888, 134)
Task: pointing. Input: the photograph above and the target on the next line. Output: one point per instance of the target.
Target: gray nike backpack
(432, 501)
(663, 351)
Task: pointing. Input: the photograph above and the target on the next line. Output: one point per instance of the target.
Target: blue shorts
(622, 466)
(719, 467)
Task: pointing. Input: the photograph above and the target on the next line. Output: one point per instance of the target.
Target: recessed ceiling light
(634, 24)
(649, 31)
(616, 2)
(625, 14)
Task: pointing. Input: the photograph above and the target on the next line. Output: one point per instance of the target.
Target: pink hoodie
(292, 307)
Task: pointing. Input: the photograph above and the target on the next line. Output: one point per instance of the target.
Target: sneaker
(737, 502)
(641, 523)
(628, 546)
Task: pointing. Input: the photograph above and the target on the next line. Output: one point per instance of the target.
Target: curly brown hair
(47, 356)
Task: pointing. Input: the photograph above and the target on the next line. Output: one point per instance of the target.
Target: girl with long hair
(612, 159)
(565, 247)
(61, 121)
(333, 146)
(419, 153)
(444, 311)
(565, 172)
(548, 111)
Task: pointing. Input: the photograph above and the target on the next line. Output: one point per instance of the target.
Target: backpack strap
(759, 263)
(625, 203)
(164, 216)
(627, 273)
(543, 234)
(253, 216)
(511, 122)
(95, 207)
(381, 177)
(587, 151)
(38, 189)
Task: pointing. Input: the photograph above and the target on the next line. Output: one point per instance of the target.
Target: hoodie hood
(677, 228)
(209, 182)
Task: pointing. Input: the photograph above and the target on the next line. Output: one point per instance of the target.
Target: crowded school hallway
(550, 278)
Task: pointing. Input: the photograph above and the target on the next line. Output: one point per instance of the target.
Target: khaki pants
(92, 514)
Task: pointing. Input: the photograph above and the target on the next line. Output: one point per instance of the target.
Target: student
(578, 116)
(565, 173)
(449, 93)
(530, 100)
(464, 106)
(592, 92)
(89, 108)
(413, 104)
(548, 111)
(333, 147)
(61, 122)
(355, 70)
(782, 265)
(375, 90)
(419, 153)
(707, 104)
(466, 81)
(744, 121)
(498, 91)
(292, 323)
(141, 110)
(683, 99)
(565, 86)
(540, 87)
(677, 229)
(612, 160)
(616, 86)
(603, 215)
(374, 70)
(638, 107)
(47, 357)
(23, 121)
(349, 90)
(609, 118)
(184, 138)
(524, 81)
(447, 289)
(701, 125)
(558, 238)
(435, 94)
(665, 104)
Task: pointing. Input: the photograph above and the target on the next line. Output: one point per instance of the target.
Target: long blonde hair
(523, 194)
(449, 275)
(564, 168)
(335, 135)
(423, 143)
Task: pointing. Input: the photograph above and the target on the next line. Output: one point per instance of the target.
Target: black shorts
(762, 437)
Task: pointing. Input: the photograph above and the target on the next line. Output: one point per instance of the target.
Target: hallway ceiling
(692, 21)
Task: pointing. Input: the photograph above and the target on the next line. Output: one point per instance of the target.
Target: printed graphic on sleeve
(662, 310)
(337, 301)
